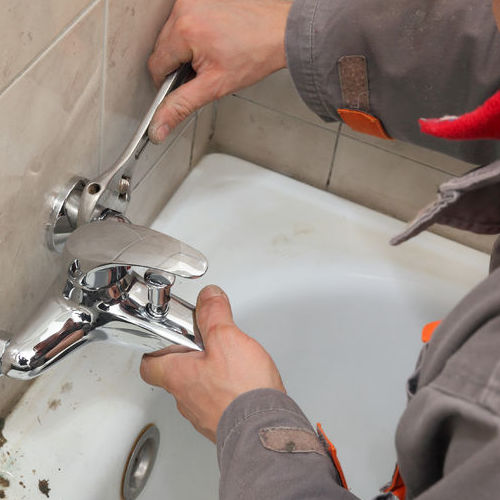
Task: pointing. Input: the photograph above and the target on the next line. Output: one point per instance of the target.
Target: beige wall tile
(481, 242)
(48, 133)
(431, 158)
(271, 139)
(160, 183)
(11, 391)
(203, 132)
(27, 28)
(386, 182)
(278, 92)
(133, 26)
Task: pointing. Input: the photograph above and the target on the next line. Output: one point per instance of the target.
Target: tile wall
(73, 88)
(270, 125)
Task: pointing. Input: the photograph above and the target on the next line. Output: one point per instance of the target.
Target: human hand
(231, 44)
(205, 383)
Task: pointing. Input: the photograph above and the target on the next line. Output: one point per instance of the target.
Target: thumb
(178, 105)
(213, 310)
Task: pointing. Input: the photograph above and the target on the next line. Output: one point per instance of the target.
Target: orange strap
(363, 122)
(397, 486)
(428, 331)
(333, 454)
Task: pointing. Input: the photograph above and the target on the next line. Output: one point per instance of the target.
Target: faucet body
(103, 294)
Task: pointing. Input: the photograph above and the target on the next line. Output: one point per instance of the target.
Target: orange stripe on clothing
(397, 486)
(333, 454)
(364, 123)
(428, 331)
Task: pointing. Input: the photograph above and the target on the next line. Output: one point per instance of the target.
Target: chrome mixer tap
(116, 278)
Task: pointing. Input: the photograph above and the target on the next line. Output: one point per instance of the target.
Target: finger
(178, 105)
(162, 61)
(155, 370)
(168, 371)
(212, 310)
(169, 52)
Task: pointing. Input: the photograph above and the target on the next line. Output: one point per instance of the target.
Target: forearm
(267, 449)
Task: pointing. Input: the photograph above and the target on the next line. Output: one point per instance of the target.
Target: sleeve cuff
(259, 404)
(300, 53)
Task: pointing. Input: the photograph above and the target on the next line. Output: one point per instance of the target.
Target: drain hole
(140, 462)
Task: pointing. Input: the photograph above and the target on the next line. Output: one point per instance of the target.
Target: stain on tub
(66, 387)
(43, 486)
(2, 437)
(54, 404)
(4, 483)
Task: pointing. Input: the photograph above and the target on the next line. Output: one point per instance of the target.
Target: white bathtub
(312, 277)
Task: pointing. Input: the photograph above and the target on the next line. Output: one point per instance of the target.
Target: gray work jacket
(423, 58)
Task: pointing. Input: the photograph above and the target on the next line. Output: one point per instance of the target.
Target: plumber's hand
(231, 44)
(205, 383)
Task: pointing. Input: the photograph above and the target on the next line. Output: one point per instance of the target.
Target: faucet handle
(108, 244)
(159, 285)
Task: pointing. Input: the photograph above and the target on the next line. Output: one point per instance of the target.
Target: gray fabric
(250, 471)
(470, 202)
(426, 58)
(495, 256)
(353, 79)
(448, 439)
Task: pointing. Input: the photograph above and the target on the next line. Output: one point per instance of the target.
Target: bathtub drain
(140, 462)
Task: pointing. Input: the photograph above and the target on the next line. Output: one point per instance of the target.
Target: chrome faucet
(115, 287)
(116, 280)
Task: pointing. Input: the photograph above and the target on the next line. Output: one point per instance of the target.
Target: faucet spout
(54, 331)
(3, 346)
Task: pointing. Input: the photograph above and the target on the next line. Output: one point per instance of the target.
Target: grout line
(349, 136)
(285, 114)
(193, 138)
(51, 45)
(170, 146)
(334, 154)
(400, 155)
(103, 85)
(215, 110)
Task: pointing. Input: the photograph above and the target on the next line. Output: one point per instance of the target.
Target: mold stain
(43, 486)
(2, 494)
(54, 404)
(66, 387)
(2, 437)
(4, 483)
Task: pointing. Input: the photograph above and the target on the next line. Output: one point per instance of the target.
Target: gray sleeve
(449, 447)
(448, 439)
(267, 449)
(425, 59)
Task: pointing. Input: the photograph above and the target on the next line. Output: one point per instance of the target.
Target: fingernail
(211, 291)
(158, 133)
